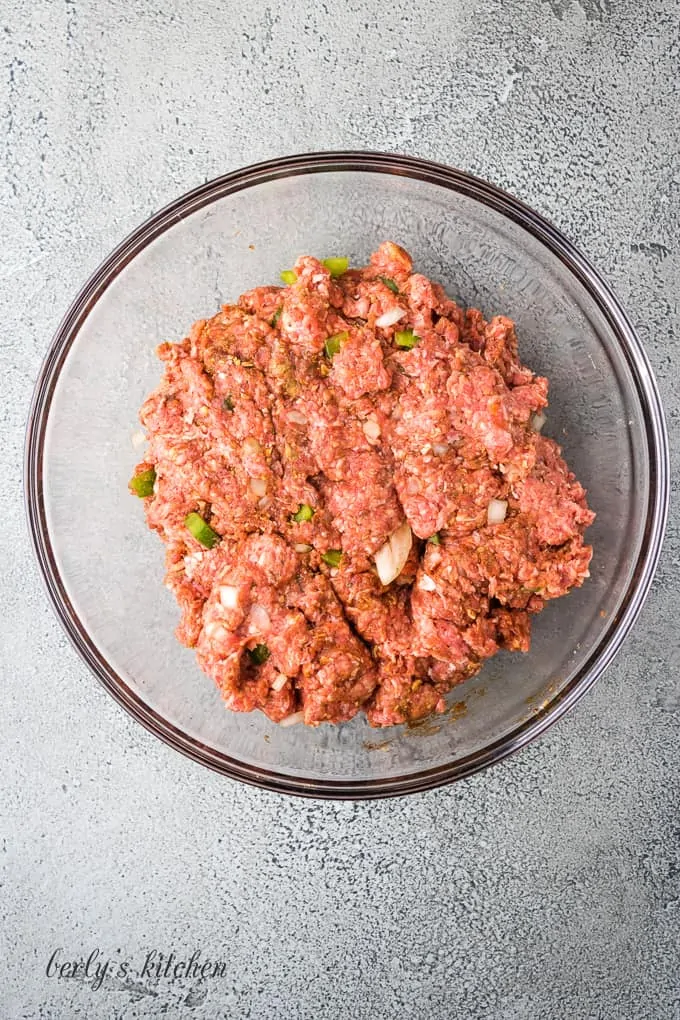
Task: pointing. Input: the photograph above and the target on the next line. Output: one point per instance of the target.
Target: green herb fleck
(289, 276)
(303, 513)
(201, 531)
(142, 484)
(389, 283)
(334, 343)
(259, 654)
(332, 557)
(228, 403)
(406, 339)
(277, 316)
(435, 539)
(336, 266)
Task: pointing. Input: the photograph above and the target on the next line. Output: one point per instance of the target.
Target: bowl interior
(111, 566)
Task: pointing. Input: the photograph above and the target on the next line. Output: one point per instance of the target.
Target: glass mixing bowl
(104, 569)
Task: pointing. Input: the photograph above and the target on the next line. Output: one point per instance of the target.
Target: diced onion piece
(389, 318)
(138, 439)
(426, 583)
(537, 421)
(292, 720)
(497, 511)
(215, 630)
(297, 418)
(302, 547)
(258, 486)
(440, 449)
(371, 430)
(229, 596)
(192, 562)
(251, 445)
(260, 620)
(280, 682)
(391, 557)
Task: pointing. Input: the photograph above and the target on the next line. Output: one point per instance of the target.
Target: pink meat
(302, 458)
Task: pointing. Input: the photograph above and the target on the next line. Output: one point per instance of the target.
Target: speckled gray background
(546, 887)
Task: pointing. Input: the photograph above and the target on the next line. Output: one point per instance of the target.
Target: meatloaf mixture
(357, 503)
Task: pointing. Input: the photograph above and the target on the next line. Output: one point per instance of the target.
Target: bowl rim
(541, 229)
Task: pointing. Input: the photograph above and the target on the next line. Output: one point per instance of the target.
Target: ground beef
(302, 427)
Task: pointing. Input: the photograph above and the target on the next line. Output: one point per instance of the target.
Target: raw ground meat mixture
(357, 503)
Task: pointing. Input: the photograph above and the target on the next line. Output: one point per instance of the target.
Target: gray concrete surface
(546, 887)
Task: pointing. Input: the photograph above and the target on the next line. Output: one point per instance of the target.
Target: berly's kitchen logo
(96, 968)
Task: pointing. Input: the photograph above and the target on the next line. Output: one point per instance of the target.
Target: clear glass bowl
(104, 569)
